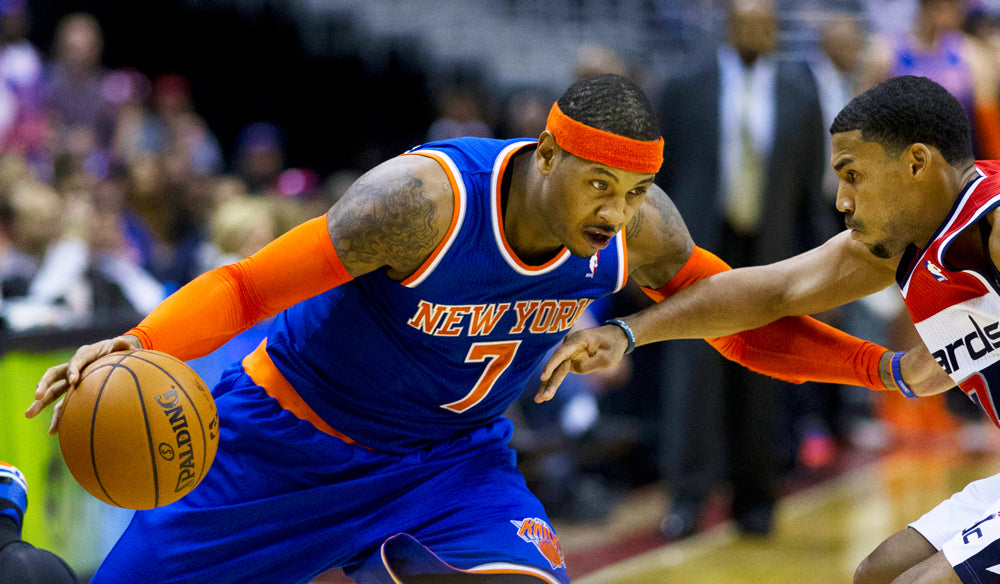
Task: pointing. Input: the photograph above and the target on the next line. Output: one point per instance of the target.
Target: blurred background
(144, 143)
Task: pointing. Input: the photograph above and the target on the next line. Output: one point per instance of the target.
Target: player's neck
(522, 226)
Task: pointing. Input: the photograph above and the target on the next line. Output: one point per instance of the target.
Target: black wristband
(627, 330)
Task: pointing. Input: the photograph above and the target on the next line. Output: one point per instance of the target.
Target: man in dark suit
(743, 161)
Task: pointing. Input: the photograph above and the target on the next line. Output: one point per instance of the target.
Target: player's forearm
(726, 303)
(221, 303)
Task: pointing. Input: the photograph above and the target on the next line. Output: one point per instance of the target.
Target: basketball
(139, 430)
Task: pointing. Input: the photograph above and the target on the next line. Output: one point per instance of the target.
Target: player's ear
(918, 157)
(545, 153)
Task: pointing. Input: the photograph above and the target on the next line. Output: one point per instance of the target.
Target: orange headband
(604, 147)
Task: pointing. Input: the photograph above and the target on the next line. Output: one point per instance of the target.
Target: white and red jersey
(957, 311)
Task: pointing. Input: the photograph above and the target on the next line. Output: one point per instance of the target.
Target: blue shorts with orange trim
(285, 502)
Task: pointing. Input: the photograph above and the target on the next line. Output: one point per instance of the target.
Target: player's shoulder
(658, 240)
(393, 216)
(471, 153)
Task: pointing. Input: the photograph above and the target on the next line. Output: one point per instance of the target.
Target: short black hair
(905, 110)
(612, 103)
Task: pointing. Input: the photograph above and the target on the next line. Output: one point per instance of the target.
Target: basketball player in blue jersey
(921, 211)
(367, 431)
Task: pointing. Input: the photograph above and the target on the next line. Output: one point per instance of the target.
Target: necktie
(743, 209)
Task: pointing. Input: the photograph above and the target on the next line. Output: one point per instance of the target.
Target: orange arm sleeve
(795, 349)
(221, 303)
(988, 130)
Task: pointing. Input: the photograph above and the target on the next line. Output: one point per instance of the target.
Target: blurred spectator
(29, 211)
(73, 268)
(984, 25)
(743, 134)
(460, 113)
(181, 130)
(170, 129)
(937, 48)
(525, 114)
(242, 224)
(73, 89)
(21, 122)
(259, 157)
(162, 226)
(597, 59)
(837, 69)
(133, 134)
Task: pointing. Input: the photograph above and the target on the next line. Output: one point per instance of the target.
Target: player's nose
(845, 203)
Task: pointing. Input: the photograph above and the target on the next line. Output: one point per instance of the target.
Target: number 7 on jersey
(498, 355)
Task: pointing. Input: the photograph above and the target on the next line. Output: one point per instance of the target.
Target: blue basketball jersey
(396, 365)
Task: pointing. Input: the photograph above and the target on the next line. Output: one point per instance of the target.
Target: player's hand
(922, 373)
(582, 352)
(58, 379)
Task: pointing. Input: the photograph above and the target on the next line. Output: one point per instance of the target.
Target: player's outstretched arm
(739, 300)
(835, 273)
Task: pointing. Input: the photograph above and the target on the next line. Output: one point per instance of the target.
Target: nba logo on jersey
(593, 264)
(935, 271)
(537, 532)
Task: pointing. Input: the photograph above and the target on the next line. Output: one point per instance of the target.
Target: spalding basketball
(139, 430)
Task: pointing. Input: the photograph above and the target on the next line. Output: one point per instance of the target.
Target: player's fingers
(46, 397)
(548, 389)
(572, 347)
(51, 375)
(56, 416)
(84, 356)
(87, 354)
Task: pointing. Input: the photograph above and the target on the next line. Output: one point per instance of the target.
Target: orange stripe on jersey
(458, 213)
(498, 224)
(263, 372)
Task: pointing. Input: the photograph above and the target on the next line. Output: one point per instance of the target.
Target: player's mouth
(598, 238)
(854, 225)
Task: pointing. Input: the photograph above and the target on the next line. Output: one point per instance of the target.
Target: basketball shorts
(966, 528)
(284, 502)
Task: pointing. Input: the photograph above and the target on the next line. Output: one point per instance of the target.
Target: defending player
(920, 209)
(367, 432)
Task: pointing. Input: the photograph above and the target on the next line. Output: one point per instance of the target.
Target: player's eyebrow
(843, 162)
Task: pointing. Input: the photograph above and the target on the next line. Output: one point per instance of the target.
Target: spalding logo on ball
(139, 430)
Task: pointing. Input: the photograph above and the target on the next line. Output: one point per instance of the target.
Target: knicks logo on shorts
(537, 532)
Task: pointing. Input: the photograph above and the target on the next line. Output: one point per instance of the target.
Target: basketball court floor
(822, 531)
(825, 525)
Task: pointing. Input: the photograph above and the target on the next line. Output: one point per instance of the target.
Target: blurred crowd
(114, 191)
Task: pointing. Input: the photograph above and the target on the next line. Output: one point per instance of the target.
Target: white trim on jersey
(622, 261)
(496, 220)
(458, 217)
(509, 568)
(986, 208)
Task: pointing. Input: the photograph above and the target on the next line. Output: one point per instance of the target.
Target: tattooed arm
(393, 217)
(658, 241)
